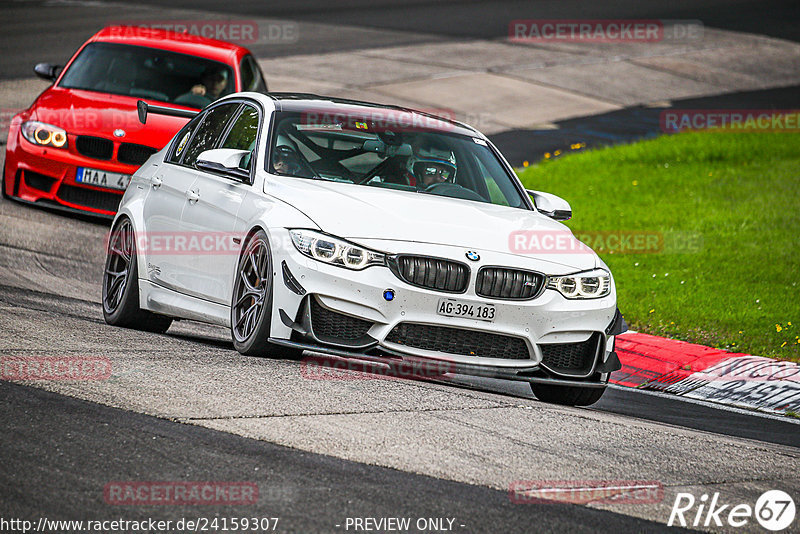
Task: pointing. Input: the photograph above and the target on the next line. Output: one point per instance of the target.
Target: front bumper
(47, 176)
(411, 367)
(540, 324)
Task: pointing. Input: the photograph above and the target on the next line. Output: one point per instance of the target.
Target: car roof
(170, 40)
(300, 102)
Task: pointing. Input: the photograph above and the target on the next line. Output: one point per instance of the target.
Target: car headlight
(43, 134)
(335, 251)
(586, 285)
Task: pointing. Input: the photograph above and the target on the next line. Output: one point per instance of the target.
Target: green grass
(739, 192)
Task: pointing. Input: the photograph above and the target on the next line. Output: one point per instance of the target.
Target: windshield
(149, 73)
(396, 151)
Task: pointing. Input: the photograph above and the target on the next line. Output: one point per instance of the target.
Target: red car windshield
(149, 73)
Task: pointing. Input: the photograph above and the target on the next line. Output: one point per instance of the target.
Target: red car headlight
(42, 134)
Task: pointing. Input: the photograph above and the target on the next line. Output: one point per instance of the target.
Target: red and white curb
(704, 373)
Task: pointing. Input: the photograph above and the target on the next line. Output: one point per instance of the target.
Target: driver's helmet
(285, 160)
(431, 163)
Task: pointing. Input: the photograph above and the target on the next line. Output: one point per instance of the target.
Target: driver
(213, 82)
(430, 164)
(430, 171)
(285, 160)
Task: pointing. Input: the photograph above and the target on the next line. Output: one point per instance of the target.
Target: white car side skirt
(165, 301)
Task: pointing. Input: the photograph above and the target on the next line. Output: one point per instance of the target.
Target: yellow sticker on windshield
(361, 125)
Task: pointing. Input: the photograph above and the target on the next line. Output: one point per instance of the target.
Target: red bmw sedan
(78, 144)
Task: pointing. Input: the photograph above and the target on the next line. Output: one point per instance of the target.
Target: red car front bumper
(47, 175)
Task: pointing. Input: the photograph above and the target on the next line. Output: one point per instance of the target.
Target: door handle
(193, 195)
(156, 181)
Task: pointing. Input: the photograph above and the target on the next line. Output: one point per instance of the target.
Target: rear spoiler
(143, 108)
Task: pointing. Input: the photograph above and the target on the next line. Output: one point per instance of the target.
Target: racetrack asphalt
(368, 23)
(628, 124)
(466, 18)
(65, 451)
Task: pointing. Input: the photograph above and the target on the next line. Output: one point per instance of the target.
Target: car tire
(567, 395)
(251, 304)
(121, 284)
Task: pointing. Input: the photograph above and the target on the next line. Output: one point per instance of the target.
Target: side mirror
(224, 161)
(47, 71)
(551, 205)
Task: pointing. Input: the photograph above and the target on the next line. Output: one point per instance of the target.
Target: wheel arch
(133, 212)
(281, 297)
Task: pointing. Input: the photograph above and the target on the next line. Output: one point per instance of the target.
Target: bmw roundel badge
(472, 255)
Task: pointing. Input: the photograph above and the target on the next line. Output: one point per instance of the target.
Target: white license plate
(112, 180)
(462, 308)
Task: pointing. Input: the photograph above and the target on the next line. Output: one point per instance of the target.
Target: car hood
(100, 114)
(361, 213)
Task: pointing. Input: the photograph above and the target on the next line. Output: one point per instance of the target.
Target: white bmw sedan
(363, 231)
